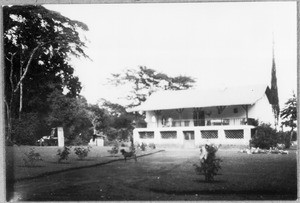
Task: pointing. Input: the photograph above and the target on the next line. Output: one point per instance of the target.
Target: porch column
(196, 112)
(180, 115)
(245, 107)
(157, 114)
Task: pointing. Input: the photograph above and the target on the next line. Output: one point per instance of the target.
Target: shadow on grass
(291, 193)
(34, 166)
(85, 159)
(212, 182)
(56, 162)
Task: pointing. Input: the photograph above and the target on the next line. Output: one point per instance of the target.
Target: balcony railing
(200, 122)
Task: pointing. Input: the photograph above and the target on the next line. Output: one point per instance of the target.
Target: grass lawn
(170, 175)
(50, 163)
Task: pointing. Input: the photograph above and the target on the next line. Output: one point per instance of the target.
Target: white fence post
(60, 137)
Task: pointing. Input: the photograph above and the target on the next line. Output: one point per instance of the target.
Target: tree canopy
(289, 113)
(38, 44)
(145, 81)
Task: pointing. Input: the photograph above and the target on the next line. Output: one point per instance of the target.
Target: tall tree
(289, 114)
(274, 92)
(38, 44)
(145, 81)
(73, 114)
(121, 121)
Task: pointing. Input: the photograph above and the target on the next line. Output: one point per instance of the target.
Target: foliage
(70, 113)
(99, 117)
(289, 113)
(28, 129)
(115, 149)
(143, 146)
(120, 126)
(284, 138)
(63, 154)
(152, 146)
(32, 158)
(144, 81)
(82, 152)
(132, 147)
(81, 139)
(37, 45)
(265, 137)
(210, 165)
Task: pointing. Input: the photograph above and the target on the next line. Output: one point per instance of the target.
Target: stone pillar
(60, 137)
(157, 137)
(247, 136)
(198, 138)
(221, 137)
(180, 137)
(136, 136)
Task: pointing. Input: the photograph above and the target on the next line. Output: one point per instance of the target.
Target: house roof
(240, 95)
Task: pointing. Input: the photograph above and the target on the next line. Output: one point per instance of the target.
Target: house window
(235, 110)
(168, 134)
(209, 134)
(146, 135)
(234, 134)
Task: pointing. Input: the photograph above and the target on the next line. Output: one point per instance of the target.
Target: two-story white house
(195, 117)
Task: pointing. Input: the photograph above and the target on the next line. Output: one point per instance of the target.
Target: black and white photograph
(149, 101)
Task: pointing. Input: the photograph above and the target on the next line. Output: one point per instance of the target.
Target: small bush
(210, 165)
(63, 154)
(82, 152)
(264, 137)
(284, 138)
(143, 146)
(27, 129)
(132, 147)
(32, 158)
(115, 149)
(152, 146)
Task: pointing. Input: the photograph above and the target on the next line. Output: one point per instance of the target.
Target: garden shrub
(31, 158)
(152, 146)
(63, 154)
(284, 138)
(210, 165)
(28, 129)
(132, 147)
(264, 137)
(78, 141)
(143, 146)
(115, 149)
(82, 152)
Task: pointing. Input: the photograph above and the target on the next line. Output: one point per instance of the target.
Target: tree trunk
(8, 120)
(21, 93)
(291, 134)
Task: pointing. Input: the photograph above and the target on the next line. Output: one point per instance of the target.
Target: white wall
(198, 139)
(262, 110)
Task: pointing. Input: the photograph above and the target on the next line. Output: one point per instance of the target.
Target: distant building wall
(262, 110)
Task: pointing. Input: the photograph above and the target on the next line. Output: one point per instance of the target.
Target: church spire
(274, 89)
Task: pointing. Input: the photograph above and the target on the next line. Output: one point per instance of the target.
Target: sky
(218, 44)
